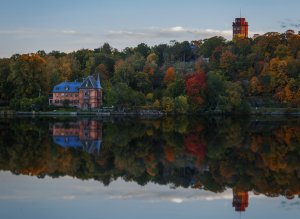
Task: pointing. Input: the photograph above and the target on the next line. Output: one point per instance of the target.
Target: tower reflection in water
(83, 134)
(240, 200)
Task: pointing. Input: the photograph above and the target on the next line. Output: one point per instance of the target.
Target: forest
(210, 75)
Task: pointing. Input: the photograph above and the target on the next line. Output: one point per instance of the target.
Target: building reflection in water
(83, 134)
(240, 201)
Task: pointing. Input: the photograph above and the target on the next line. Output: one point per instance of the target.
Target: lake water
(147, 168)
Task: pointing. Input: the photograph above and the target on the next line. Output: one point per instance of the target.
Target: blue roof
(90, 146)
(67, 141)
(98, 83)
(73, 87)
(67, 87)
(93, 82)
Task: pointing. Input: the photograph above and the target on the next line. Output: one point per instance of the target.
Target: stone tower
(240, 28)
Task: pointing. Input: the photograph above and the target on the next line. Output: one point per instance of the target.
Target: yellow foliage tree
(255, 86)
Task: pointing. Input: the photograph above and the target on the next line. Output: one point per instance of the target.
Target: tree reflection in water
(258, 155)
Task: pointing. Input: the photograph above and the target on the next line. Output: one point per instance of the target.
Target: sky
(68, 25)
(66, 197)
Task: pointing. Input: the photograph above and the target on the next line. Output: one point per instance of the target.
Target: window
(86, 93)
(62, 94)
(76, 95)
(67, 94)
(56, 94)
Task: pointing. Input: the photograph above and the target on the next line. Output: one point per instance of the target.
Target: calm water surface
(168, 168)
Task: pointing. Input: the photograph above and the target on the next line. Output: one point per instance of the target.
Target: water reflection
(240, 200)
(257, 155)
(84, 134)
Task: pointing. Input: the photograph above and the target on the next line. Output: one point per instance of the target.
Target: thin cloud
(127, 34)
(69, 197)
(176, 32)
(72, 32)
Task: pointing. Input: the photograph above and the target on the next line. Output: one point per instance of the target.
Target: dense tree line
(212, 153)
(205, 75)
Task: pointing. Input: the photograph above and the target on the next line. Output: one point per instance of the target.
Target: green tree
(141, 82)
(266, 44)
(232, 98)
(5, 85)
(143, 49)
(215, 89)
(181, 104)
(294, 45)
(282, 51)
(168, 104)
(209, 45)
(175, 89)
(28, 76)
(123, 96)
(106, 49)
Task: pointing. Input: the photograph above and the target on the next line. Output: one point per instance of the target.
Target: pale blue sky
(67, 25)
(28, 197)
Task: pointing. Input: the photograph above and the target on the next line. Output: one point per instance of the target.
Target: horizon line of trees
(180, 77)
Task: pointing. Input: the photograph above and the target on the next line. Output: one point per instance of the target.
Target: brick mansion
(82, 95)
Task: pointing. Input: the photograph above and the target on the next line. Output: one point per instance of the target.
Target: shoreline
(140, 113)
(151, 113)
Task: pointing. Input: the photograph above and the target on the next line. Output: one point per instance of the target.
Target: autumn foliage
(169, 76)
(245, 155)
(195, 145)
(212, 75)
(195, 86)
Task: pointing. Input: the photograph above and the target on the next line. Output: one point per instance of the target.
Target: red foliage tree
(195, 86)
(195, 145)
